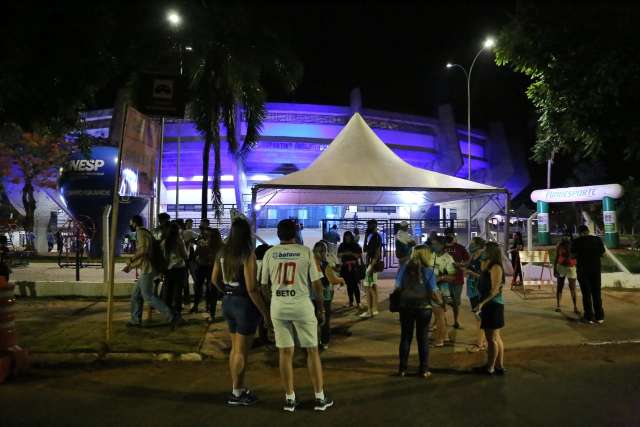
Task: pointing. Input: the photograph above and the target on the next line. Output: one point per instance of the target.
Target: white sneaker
(375, 313)
(365, 315)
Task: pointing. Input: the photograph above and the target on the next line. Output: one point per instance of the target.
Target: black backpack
(157, 259)
(414, 293)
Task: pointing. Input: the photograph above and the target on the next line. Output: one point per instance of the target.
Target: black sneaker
(132, 324)
(500, 371)
(247, 398)
(290, 405)
(323, 404)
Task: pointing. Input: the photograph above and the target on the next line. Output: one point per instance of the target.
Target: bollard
(13, 358)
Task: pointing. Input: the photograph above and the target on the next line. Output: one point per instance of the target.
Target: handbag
(394, 300)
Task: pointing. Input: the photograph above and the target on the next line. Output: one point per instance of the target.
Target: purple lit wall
(293, 135)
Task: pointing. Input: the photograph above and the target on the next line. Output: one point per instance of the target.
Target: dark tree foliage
(584, 63)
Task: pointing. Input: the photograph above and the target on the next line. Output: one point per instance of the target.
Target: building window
(302, 214)
(272, 214)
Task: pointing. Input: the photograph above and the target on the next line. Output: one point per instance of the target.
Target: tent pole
(507, 207)
(254, 216)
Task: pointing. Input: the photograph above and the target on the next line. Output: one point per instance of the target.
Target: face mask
(132, 227)
(449, 239)
(483, 257)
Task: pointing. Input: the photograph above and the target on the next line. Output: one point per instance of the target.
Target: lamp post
(175, 20)
(488, 44)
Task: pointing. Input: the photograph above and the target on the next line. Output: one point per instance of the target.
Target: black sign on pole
(161, 95)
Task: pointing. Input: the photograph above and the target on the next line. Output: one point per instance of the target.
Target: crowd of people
(286, 291)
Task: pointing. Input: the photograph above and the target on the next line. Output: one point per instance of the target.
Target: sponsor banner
(610, 223)
(140, 145)
(543, 222)
(577, 194)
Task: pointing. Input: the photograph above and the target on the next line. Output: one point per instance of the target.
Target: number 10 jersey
(290, 268)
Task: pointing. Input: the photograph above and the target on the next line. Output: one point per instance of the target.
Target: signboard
(610, 225)
(161, 95)
(140, 145)
(577, 194)
(543, 222)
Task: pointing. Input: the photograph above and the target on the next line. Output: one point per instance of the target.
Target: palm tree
(234, 57)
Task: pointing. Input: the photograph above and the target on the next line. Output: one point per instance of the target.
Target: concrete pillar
(544, 238)
(611, 237)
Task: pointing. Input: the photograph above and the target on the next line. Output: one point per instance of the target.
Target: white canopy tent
(357, 168)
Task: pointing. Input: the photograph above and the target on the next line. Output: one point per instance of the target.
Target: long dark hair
(238, 247)
(349, 234)
(172, 236)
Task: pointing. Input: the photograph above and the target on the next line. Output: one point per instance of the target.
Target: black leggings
(173, 287)
(353, 289)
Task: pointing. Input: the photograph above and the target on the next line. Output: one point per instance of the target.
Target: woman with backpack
(207, 247)
(242, 305)
(491, 308)
(418, 288)
(175, 253)
(328, 281)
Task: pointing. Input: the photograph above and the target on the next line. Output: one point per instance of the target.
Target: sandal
(475, 348)
(439, 344)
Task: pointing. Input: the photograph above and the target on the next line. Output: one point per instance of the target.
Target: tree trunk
(217, 172)
(208, 138)
(29, 203)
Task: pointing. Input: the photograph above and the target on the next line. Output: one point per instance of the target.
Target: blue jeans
(420, 318)
(143, 291)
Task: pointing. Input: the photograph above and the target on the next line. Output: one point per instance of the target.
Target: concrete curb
(88, 358)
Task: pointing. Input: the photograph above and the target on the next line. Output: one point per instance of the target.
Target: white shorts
(566, 271)
(288, 332)
(371, 277)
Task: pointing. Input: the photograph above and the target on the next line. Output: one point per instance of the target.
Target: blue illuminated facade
(293, 135)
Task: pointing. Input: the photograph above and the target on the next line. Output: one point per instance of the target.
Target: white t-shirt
(290, 268)
(444, 264)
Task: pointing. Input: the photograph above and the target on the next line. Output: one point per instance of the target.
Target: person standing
(516, 246)
(289, 267)
(350, 255)
(473, 270)
(564, 267)
(491, 308)
(443, 266)
(242, 305)
(332, 235)
(143, 290)
(404, 243)
(373, 251)
(329, 280)
(175, 254)
(588, 251)
(460, 257)
(207, 247)
(189, 237)
(417, 286)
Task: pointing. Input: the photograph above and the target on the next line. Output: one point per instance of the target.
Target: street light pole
(488, 43)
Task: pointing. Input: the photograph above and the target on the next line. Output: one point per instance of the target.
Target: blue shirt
(472, 281)
(427, 274)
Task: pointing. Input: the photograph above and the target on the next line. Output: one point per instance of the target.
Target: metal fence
(420, 229)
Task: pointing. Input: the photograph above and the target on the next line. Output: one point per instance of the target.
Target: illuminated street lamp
(174, 18)
(487, 44)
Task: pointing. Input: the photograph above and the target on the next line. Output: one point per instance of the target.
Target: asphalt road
(581, 386)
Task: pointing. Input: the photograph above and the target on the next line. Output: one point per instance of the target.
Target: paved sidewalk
(530, 322)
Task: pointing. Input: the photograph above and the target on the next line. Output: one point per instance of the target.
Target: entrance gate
(420, 229)
(607, 193)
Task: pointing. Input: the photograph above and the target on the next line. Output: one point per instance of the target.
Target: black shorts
(492, 316)
(241, 314)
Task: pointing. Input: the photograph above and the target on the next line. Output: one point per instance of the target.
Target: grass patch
(70, 326)
(608, 266)
(630, 259)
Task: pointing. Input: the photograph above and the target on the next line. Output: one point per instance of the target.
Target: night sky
(396, 54)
